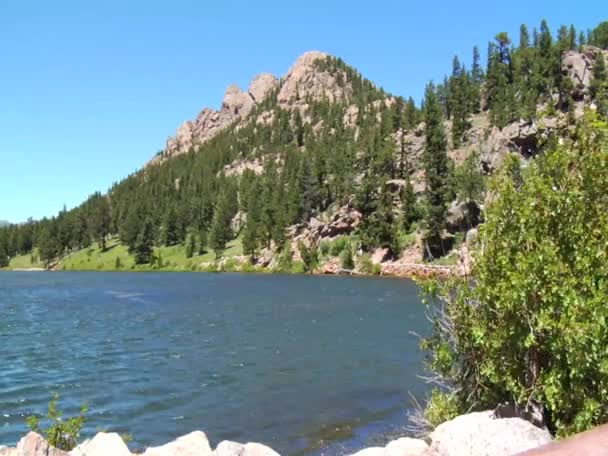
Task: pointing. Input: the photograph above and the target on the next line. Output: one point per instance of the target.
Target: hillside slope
(322, 166)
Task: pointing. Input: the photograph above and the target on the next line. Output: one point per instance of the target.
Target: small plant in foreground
(61, 433)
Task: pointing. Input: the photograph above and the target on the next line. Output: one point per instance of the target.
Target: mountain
(322, 164)
(4, 223)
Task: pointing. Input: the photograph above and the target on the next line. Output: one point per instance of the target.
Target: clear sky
(91, 89)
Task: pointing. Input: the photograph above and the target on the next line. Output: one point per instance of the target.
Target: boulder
(381, 255)
(238, 222)
(406, 446)
(103, 444)
(6, 451)
(34, 444)
(481, 434)
(228, 448)
(372, 451)
(577, 66)
(193, 444)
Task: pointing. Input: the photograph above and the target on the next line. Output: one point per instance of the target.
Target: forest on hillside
(313, 162)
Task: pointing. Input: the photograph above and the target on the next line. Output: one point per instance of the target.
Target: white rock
(193, 444)
(34, 444)
(372, 451)
(228, 448)
(480, 434)
(406, 446)
(102, 444)
(6, 451)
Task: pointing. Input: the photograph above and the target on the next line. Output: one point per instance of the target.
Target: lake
(304, 364)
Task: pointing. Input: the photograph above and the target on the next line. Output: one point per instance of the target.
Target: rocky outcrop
(578, 66)
(481, 434)
(343, 221)
(303, 82)
(261, 86)
(236, 104)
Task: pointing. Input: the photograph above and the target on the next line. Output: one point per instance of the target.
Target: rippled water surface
(307, 365)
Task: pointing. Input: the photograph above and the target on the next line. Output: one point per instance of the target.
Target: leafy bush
(531, 327)
(346, 257)
(339, 245)
(324, 248)
(310, 256)
(367, 266)
(441, 407)
(285, 263)
(61, 433)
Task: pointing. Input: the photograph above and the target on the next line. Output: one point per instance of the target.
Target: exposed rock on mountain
(261, 85)
(305, 82)
(578, 66)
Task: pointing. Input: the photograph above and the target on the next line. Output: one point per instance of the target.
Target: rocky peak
(262, 85)
(304, 80)
(235, 104)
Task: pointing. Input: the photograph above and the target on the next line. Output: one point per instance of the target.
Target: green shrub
(441, 407)
(530, 327)
(324, 248)
(298, 267)
(339, 245)
(310, 256)
(346, 257)
(62, 433)
(367, 266)
(285, 263)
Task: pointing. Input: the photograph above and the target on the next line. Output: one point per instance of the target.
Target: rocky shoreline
(474, 434)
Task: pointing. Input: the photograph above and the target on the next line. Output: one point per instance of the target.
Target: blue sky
(90, 90)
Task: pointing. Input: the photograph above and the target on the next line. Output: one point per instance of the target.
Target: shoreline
(473, 434)
(415, 271)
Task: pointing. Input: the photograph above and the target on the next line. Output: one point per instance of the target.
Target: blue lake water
(306, 365)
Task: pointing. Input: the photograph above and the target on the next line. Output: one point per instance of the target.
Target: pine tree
(250, 238)
(408, 204)
(436, 164)
(190, 244)
(48, 243)
(476, 82)
(470, 187)
(599, 85)
(201, 241)
(143, 248)
(524, 37)
(459, 91)
(99, 219)
(220, 232)
(4, 258)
